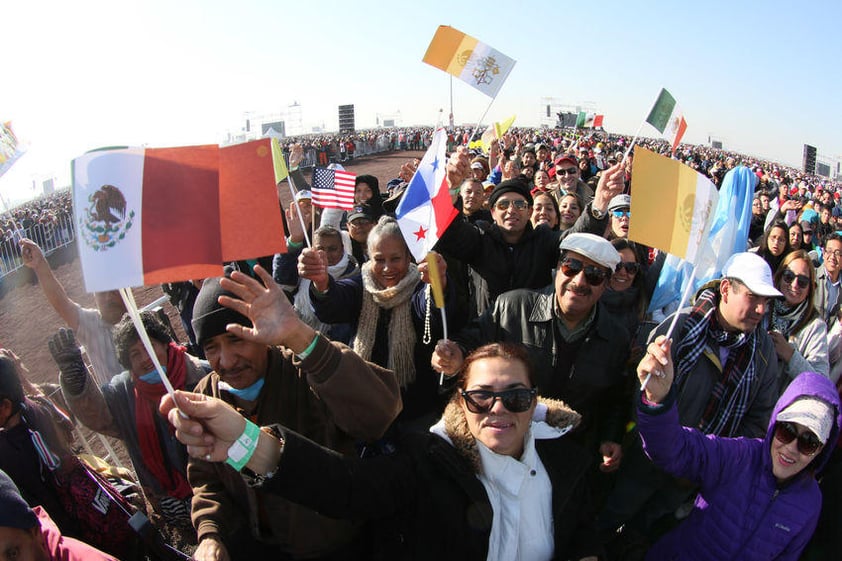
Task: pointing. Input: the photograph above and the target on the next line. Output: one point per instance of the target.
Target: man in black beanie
(511, 254)
(29, 534)
(276, 369)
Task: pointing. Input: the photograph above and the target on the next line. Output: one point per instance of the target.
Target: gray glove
(68, 357)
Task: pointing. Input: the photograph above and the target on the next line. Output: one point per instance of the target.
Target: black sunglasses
(593, 274)
(515, 400)
(631, 267)
(786, 432)
(788, 276)
(566, 171)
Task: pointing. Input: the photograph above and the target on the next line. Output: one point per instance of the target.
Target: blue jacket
(741, 512)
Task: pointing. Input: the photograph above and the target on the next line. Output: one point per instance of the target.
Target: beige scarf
(402, 336)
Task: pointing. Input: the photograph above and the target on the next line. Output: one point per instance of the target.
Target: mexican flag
(156, 215)
(667, 118)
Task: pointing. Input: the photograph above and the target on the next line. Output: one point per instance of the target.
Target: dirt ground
(27, 321)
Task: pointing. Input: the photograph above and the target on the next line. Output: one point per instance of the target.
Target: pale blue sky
(761, 76)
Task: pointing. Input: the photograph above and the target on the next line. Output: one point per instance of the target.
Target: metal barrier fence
(49, 237)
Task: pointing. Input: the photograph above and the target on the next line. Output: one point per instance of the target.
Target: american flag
(333, 188)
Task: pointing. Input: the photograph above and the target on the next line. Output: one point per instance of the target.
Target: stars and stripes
(333, 188)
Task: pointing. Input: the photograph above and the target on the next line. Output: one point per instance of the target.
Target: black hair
(125, 335)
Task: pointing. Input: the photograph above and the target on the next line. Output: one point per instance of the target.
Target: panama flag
(666, 116)
(672, 206)
(426, 209)
(155, 215)
(475, 63)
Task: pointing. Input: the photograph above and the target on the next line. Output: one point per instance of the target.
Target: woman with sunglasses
(797, 330)
(758, 499)
(495, 478)
(625, 297)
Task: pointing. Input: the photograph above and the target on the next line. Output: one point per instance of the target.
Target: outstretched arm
(34, 258)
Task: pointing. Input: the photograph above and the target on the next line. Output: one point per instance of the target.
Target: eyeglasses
(360, 222)
(516, 400)
(808, 443)
(835, 253)
(808, 232)
(566, 171)
(593, 274)
(789, 276)
(631, 267)
(621, 213)
(505, 203)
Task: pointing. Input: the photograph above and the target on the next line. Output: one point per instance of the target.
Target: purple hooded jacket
(741, 512)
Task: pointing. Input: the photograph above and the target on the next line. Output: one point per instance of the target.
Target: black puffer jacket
(431, 501)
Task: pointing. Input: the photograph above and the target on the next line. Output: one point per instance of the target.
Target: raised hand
(611, 183)
(656, 365)
(65, 349)
(274, 321)
(31, 254)
(458, 168)
(296, 155)
(312, 264)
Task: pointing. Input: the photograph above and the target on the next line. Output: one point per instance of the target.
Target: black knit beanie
(209, 316)
(510, 186)
(14, 512)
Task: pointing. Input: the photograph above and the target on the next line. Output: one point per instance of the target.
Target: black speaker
(346, 118)
(809, 159)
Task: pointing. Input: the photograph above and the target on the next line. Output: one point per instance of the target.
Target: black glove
(68, 357)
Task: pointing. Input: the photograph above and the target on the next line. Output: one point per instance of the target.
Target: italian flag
(672, 206)
(666, 116)
(473, 62)
(155, 215)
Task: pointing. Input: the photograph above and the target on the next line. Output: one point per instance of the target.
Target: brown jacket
(332, 397)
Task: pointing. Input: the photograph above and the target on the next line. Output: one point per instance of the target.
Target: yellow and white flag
(469, 60)
(671, 206)
(495, 131)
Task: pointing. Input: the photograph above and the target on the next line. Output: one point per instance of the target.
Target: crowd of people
(48, 220)
(321, 413)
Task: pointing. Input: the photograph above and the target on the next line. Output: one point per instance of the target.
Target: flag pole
(476, 128)
(690, 284)
(634, 140)
(134, 314)
(298, 210)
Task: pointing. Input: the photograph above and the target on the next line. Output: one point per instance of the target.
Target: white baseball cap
(753, 271)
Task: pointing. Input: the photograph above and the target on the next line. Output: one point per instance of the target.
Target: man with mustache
(579, 350)
(726, 384)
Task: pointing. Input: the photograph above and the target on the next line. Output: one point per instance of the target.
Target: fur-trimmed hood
(552, 419)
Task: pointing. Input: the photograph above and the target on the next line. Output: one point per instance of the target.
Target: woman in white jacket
(799, 333)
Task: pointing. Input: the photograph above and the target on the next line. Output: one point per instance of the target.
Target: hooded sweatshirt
(741, 512)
